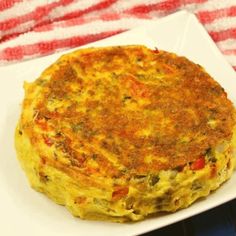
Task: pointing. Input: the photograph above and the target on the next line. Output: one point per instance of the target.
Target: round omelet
(121, 133)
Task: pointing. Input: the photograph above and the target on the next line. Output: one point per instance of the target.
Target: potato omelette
(121, 133)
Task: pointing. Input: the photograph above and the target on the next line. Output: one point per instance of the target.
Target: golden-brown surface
(112, 119)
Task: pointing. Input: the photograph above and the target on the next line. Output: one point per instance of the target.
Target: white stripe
(227, 44)
(220, 24)
(122, 6)
(81, 30)
(157, 14)
(191, 7)
(21, 28)
(77, 5)
(231, 59)
(211, 5)
(22, 8)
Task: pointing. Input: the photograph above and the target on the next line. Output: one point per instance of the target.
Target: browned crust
(170, 96)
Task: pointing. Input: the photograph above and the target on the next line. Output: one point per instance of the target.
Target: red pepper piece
(42, 123)
(198, 164)
(156, 50)
(48, 141)
(119, 193)
(213, 171)
(136, 87)
(168, 69)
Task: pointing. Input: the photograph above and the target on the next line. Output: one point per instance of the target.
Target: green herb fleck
(126, 98)
(154, 179)
(77, 127)
(94, 156)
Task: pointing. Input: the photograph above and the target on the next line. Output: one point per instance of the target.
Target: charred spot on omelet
(119, 133)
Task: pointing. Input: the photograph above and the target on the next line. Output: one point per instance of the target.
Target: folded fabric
(30, 29)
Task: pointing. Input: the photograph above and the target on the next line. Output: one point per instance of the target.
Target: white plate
(26, 212)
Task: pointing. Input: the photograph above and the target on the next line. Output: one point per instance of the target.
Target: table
(220, 221)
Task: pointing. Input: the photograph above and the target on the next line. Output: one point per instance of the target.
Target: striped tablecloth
(33, 28)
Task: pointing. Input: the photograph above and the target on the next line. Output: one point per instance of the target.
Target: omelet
(122, 133)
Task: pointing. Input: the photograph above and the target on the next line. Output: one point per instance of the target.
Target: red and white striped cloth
(32, 28)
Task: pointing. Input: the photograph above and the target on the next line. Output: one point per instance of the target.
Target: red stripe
(8, 37)
(99, 6)
(43, 28)
(81, 20)
(35, 15)
(229, 52)
(209, 16)
(47, 47)
(110, 16)
(117, 16)
(223, 34)
(234, 67)
(167, 5)
(5, 4)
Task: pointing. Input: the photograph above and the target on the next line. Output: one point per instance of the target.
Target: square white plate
(26, 212)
